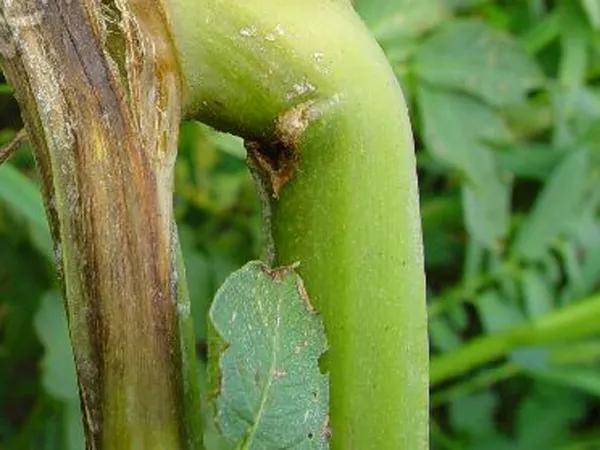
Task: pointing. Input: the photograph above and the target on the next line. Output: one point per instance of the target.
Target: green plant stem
(328, 133)
(573, 322)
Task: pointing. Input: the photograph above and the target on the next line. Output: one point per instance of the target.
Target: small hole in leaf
(310, 435)
(324, 363)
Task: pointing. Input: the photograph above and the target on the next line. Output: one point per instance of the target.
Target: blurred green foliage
(505, 102)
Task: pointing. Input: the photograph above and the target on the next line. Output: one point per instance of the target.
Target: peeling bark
(99, 89)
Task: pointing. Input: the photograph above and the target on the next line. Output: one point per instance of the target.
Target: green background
(505, 103)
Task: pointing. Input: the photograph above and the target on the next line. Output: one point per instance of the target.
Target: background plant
(505, 104)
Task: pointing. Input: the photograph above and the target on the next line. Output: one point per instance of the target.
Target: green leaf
(463, 4)
(573, 365)
(592, 9)
(537, 293)
(456, 128)
(58, 367)
(545, 416)
(581, 353)
(576, 112)
(23, 198)
(572, 266)
(73, 428)
(529, 118)
(442, 221)
(542, 33)
(529, 161)
(587, 233)
(530, 358)
(272, 393)
(471, 57)
(473, 414)
(443, 336)
(574, 46)
(232, 145)
(401, 18)
(497, 313)
(555, 208)
(585, 379)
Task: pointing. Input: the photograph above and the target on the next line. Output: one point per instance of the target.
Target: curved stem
(328, 135)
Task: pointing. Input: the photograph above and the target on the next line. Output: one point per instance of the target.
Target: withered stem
(99, 90)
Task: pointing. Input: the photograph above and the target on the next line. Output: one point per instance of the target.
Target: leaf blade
(471, 57)
(272, 394)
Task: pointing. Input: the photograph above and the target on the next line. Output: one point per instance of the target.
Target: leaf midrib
(267, 387)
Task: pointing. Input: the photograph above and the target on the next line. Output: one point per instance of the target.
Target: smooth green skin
(350, 215)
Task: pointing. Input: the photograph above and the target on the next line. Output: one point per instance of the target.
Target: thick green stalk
(570, 323)
(99, 89)
(328, 136)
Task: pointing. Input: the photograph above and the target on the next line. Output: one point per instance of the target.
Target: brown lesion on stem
(275, 163)
(104, 132)
(277, 159)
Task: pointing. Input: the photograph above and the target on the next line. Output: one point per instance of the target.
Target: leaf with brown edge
(272, 393)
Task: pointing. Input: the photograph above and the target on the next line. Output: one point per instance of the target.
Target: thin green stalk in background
(569, 323)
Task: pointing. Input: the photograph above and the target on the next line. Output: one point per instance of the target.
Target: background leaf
(401, 18)
(58, 367)
(555, 208)
(471, 57)
(592, 9)
(23, 197)
(455, 130)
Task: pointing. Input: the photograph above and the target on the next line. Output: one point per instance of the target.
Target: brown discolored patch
(304, 294)
(278, 161)
(291, 125)
(326, 431)
(278, 273)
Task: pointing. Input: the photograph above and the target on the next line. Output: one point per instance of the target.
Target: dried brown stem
(99, 90)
